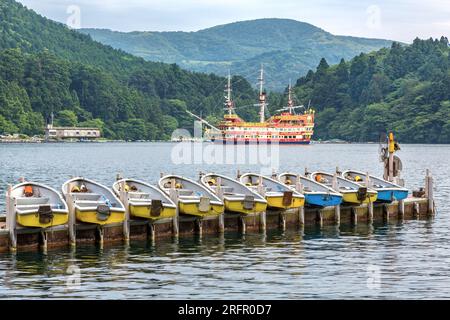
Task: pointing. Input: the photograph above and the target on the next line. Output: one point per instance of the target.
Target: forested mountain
(45, 67)
(288, 48)
(404, 88)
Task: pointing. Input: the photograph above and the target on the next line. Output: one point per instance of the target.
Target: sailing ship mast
(290, 101)
(262, 96)
(229, 104)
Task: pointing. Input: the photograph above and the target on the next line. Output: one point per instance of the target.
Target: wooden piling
(11, 219)
(72, 218)
(337, 209)
(354, 214)
(401, 209)
(386, 213)
(283, 221)
(219, 193)
(175, 220)
(301, 216)
(319, 217)
(125, 201)
(262, 221)
(429, 192)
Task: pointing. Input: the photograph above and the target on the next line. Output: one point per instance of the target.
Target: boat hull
(277, 202)
(32, 220)
(352, 197)
(90, 216)
(192, 209)
(322, 199)
(238, 206)
(145, 212)
(391, 195)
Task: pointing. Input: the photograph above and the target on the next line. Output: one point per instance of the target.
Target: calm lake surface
(410, 260)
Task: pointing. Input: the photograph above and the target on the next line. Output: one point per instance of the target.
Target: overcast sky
(401, 20)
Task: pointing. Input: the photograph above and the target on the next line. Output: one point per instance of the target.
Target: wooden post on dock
(11, 219)
(151, 231)
(72, 218)
(429, 192)
(386, 213)
(283, 220)
(125, 201)
(262, 221)
(354, 213)
(319, 217)
(370, 204)
(174, 197)
(401, 209)
(219, 192)
(44, 240)
(301, 211)
(337, 209)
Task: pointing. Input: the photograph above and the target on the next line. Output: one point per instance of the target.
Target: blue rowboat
(387, 191)
(316, 194)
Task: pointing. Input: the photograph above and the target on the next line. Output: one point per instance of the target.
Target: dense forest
(45, 68)
(404, 88)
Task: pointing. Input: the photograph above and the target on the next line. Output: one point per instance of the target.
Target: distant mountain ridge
(288, 48)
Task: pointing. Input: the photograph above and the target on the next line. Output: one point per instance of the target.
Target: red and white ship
(286, 127)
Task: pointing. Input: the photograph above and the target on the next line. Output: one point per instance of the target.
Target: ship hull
(241, 141)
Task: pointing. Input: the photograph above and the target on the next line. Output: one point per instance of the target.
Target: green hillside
(405, 89)
(288, 48)
(45, 68)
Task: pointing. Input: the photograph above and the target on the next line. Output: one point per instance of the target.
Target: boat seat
(185, 192)
(139, 195)
(85, 196)
(87, 203)
(32, 200)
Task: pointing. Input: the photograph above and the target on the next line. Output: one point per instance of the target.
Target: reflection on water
(413, 258)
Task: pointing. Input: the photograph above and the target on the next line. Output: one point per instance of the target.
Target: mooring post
(100, 239)
(337, 209)
(283, 221)
(11, 218)
(151, 231)
(219, 192)
(72, 218)
(429, 192)
(370, 204)
(243, 224)
(386, 213)
(319, 217)
(354, 213)
(301, 216)
(199, 226)
(416, 210)
(126, 222)
(401, 209)
(44, 240)
(262, 221)
(173, 194)
(301, 210)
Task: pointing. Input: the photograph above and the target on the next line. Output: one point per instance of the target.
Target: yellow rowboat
(144, 200)
(236, 196)
(37, 205)
(277, 195)
(193, 198)
(92, 202)
(351, 191)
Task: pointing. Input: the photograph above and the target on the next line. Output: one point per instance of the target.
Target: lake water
(409, 260)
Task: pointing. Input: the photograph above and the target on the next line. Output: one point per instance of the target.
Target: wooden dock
(57, 237)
